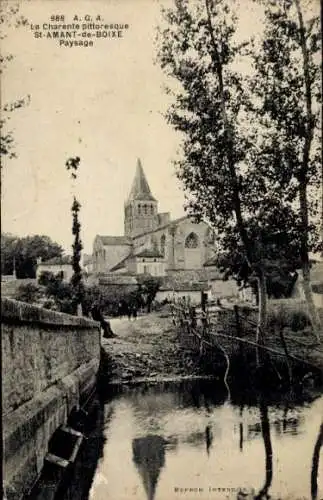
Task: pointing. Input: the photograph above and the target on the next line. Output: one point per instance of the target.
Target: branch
(229, 135)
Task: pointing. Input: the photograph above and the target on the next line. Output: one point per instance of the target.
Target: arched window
(145, 209)
(162, 245)
(139, 209)
(192, 241)
(152, 209)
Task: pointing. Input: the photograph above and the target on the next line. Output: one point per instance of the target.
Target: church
(153, 243)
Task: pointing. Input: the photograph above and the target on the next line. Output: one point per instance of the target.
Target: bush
(59, 293)
(287, 315)
(28, 292)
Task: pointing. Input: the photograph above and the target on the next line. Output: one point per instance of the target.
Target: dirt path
(146, 348)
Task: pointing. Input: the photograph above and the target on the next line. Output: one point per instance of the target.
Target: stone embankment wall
(50, 362)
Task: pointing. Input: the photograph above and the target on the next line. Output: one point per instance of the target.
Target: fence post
(203, 307)
(237, 319)
(242, 353)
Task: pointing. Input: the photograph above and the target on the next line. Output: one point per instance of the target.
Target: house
(55, 266)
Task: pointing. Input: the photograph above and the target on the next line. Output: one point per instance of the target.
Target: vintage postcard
(161, 242)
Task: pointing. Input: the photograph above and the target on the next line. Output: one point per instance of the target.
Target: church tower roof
(140, 189)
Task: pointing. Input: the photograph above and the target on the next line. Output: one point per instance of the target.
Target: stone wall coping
(21, 312)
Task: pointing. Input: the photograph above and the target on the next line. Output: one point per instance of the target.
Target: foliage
(287, 317)
(115, 300)
(211, 109)
(287, 86)
(9, 16)
(24, 252)
(93, 296)
(77, 278)
(281, 281)
(28, 292)
(236, 168)
(58, 292)
(278, 250)
(72, 165)
(148, 287)
(45, 278)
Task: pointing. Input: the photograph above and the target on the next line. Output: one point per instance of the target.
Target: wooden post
(203, 307)
(238, 328)
(237, 319)
(288, 360)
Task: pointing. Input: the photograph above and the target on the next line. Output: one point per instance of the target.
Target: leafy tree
(9, 17)
(211, 109)
(279, 251)
(72, 165)
(215, 108)
(22, 253)
(28, 292)
(45, 278)
(148, 287)
(287, 85)
(60, 292)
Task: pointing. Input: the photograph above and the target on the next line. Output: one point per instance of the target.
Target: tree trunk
(312, 311)
(262, 313)
(303, 176)
(236, 199)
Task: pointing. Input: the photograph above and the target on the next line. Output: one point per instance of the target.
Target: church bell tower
(140, 210)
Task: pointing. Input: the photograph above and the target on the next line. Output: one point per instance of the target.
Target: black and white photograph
(161, 249)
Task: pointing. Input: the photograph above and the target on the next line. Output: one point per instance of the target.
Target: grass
(288, 313)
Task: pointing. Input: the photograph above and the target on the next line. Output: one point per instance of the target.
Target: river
(189, 441)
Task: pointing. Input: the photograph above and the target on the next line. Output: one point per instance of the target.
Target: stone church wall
(114, 254)
(177, 254)
(190, 245)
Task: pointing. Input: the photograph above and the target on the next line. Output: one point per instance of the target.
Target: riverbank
(147, 348)
(150, 348)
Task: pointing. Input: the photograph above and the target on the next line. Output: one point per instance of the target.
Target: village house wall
(66, 269)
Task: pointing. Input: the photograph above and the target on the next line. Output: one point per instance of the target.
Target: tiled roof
(140, 189)
(120, 265)
(118, 279)
(149, 253)
(114, 240)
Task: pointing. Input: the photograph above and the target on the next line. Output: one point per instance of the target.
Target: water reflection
(315, 463)
(187, 435)
(149, 457)
(208, 438)
(265, 430)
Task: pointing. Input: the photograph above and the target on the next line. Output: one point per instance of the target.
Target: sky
(104, 104)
